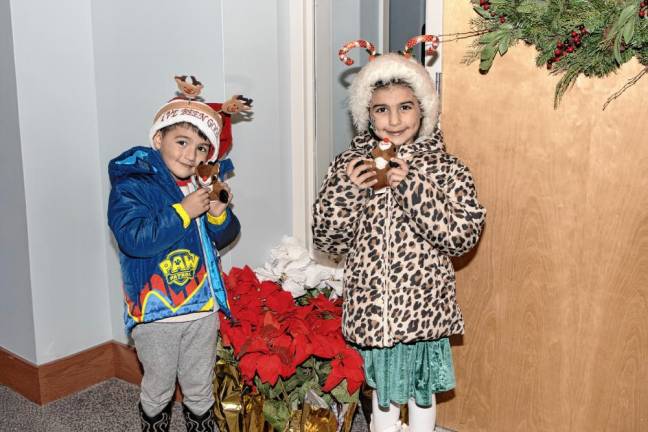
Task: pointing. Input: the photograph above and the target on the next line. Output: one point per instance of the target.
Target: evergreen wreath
(572, 37)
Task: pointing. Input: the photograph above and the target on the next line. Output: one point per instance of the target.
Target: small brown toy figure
(382, 154)
(189, 86)
(236, 104)
(207, 177)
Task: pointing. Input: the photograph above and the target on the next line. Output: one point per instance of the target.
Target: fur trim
(388, 67)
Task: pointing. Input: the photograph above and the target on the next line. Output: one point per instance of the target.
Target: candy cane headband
(431, 42)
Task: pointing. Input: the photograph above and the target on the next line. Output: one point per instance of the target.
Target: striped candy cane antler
(360, 43)
(432, 43)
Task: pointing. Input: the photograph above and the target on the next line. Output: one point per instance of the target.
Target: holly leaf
(532, 7)
(504, 44)
(623, 19)
(484, 13)
(487, 56)
(488, 38)
(629, 30)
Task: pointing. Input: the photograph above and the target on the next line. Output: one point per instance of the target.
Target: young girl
(399, 284)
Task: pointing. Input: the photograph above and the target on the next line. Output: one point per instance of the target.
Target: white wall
(60, 153)
(139, 47)
(89, 76)
(16, 315)
(255, 46)
(233, 48)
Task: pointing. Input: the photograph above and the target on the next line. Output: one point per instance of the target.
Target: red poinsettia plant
(285, 347)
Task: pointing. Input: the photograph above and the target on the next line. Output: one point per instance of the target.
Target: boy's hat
(212, 119)
(389, 67)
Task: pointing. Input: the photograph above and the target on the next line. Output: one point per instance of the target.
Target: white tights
(386, 420)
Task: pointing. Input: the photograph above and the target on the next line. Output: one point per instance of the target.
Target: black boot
(158, 423)
(199, 423)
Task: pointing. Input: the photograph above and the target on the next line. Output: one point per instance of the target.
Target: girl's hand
(397, 173)
(196, 203)
(361, 172)
(216, 208)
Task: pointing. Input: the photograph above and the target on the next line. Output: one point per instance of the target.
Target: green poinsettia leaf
(312, 384)
(291, 383)
(264, 388)
(276, 413)
(341, 394)
(327, 398)
(294, 400)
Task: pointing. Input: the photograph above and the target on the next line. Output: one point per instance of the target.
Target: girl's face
(395, 114)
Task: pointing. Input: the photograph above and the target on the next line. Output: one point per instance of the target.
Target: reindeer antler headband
(389, 67)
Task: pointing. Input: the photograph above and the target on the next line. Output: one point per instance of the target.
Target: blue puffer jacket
(164, 266)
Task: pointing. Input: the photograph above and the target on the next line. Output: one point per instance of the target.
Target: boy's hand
(196, 203)
(361, 172)
(397, 173)
(216, 208)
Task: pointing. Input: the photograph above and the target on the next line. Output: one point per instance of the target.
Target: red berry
(574, 34)
(486, 6)
(482, 2)
(559, 44)
(642, 13)
(557, 52)
(570, 49)
(642, 4)
(502, 19)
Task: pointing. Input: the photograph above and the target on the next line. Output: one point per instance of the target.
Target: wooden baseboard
(127, 367)
(71, 374)
(76, 372)
(19, 375)
(63, 377)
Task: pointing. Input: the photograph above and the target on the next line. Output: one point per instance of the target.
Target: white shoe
(397, 427)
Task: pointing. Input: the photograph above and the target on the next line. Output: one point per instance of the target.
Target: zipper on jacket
(387, 268)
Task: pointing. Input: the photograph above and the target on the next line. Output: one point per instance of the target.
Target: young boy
(167, 230)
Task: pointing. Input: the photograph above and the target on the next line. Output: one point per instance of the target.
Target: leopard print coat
(399, 283)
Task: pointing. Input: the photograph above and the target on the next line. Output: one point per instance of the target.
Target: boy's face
(395, 113)
(182, 150)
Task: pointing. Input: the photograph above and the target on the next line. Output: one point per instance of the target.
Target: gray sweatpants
(186, 350)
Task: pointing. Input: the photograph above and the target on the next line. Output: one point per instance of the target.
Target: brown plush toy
(382, 154)
(207, 177)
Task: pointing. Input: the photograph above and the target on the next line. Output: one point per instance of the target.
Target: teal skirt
(407, 371)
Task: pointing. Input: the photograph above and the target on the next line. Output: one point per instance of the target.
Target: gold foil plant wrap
(235, 409)
(253, 418)
(228, 389)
